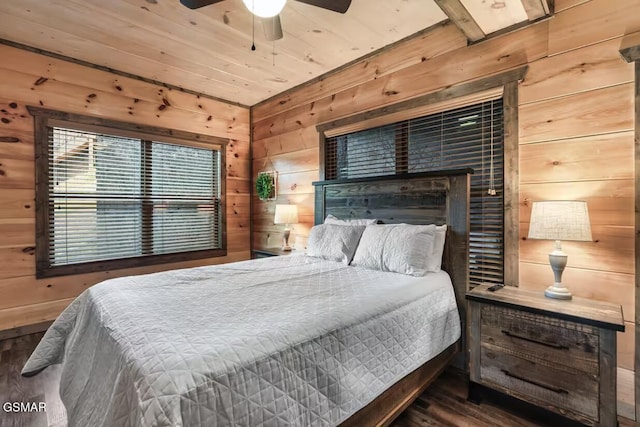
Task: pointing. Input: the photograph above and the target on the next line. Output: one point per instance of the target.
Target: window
(114, 198)
(471, 136)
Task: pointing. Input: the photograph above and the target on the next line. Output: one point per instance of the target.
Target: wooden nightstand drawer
(545, 384)
(557, 355)
(573, 345)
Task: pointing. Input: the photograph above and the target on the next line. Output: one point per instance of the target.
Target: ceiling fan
(269, 10)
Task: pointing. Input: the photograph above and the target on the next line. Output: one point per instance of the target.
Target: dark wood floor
(41, 388)
(443, 404)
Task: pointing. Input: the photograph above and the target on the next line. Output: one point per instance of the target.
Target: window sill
(117, 264)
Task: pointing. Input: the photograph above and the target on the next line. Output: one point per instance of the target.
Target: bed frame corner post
(457, 252)
(319, 211)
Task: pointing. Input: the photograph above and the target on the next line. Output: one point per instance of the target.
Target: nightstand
(269, 252)
(557, 355)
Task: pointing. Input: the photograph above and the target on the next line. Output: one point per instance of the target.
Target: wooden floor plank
(56, 414)
(15, 388)
(443, 404)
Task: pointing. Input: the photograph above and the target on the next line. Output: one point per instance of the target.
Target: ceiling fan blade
(272, 28)
(340, 6)
(196, 4)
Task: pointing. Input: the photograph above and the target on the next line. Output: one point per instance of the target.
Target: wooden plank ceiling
(209, 50)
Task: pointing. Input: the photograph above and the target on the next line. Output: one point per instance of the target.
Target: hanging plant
(266, 186)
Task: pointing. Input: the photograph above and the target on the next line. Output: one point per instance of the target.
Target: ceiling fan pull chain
(273, 53)
(253, 28)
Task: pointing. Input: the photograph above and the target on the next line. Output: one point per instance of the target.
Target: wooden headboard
(440, 197)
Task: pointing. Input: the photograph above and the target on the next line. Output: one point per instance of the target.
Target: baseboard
(25, 330)
(626, 394)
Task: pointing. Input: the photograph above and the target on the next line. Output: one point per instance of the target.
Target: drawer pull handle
(548, 344)
(539, 384)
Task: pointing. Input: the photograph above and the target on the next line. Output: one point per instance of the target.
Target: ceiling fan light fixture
(265, 8)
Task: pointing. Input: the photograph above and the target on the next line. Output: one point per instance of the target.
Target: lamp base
(557, 292)
(558, 261)
(285, 239)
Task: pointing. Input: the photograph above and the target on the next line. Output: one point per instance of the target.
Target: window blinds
(465, 137)
(113, 197)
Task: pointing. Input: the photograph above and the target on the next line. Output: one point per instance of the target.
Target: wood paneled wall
(27, 78)
(575, 126)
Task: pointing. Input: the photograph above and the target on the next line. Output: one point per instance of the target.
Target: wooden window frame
(44, 119)
(452, 97)
(636, 97)
(630, 52)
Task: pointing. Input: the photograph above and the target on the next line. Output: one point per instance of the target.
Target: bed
(291, 340)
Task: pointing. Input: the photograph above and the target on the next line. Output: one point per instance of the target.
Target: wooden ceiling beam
(630, 47)
(461, 17)
(536, 9)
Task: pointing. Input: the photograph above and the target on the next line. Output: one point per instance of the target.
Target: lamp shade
(560, 220)
(265, 8)
(286, 214)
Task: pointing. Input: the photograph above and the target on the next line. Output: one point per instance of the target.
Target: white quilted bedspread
(277, 341)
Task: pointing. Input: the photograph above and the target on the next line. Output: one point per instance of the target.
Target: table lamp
(559, 220)
(286, 214)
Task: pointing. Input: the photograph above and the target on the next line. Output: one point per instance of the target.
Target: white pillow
(334, 242)
(330, 219)
(401, 248)
(434, 262)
